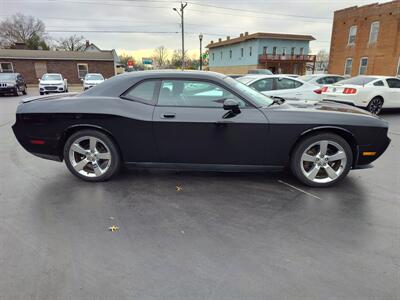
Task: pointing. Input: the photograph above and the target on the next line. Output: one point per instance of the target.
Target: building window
(352, 36)
(283, 51)
(293, 50)
(230, 53)
(347, 66)
(241, 52)
(6, 67)
(82, 70)
(274, 51)
(250, 50)
(301, 51)
(363, 66)
(373, 34)
(265, 50)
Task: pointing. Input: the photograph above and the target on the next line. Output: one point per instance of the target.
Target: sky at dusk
(137, 27)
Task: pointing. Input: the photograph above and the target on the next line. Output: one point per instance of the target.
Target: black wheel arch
(78, 127)
(342, 132)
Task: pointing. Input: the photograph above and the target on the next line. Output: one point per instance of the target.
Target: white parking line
(300, 190)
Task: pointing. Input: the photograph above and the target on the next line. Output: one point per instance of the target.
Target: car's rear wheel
(91, 155)
(375, 105)
(321, 160)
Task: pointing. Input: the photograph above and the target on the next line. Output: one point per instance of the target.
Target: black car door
(190, 126)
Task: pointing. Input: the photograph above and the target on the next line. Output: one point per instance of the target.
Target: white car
(321, 79)
(284, 87)
(369, 92)
(92, 79)
(53, 83)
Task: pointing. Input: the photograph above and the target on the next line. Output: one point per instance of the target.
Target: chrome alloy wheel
(90, 156)
(323, 161)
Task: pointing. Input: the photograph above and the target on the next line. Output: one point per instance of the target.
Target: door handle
(168, 115)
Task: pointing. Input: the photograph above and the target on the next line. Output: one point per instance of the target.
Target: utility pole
(180, 13)
(201, 55)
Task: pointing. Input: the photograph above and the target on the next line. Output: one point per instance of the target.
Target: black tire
(41, 93)
(114, 163)
(297, 166)
(16, 92)
(24, 91)
(375, 105)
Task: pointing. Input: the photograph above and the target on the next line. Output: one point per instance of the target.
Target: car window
(194, 93)
(393, 83)
(379, 83)
(321, 80)
(286, 83)
(142, 92)
(263, 85)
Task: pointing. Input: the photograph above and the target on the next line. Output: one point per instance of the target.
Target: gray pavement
(224, 236)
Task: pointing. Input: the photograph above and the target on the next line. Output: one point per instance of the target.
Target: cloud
(154, 23)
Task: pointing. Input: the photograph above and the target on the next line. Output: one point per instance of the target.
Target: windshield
(245, 79)
(306, 77)
(51, 77)
(7, 76)
(358, 80)
(94, 77)
(260, 99)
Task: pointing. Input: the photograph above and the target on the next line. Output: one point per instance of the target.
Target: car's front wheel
(91, 155)
(321, 160)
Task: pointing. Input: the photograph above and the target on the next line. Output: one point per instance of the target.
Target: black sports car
(196, 120)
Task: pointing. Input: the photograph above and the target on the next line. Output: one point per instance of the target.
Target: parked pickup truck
(53, 83)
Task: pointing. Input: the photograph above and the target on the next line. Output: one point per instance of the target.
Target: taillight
(324, 89)
(349, 91)
(319, 91)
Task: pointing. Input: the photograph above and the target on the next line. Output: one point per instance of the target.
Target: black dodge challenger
(197, 120)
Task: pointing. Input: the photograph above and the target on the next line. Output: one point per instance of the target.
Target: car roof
(172, 73)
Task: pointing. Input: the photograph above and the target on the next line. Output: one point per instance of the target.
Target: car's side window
(379, 83)
(321, 80)
(194, 93)
(263, 85)
(143, 92)
(393, 83)
(286, 83)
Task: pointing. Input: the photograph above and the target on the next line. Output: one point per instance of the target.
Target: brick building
(366, 40)
(280, 53)
(32, 64)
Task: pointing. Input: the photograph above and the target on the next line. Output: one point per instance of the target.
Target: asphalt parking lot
(221, 236)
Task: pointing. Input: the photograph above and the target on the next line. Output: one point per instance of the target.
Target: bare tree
(21, 29)
(322, 60)
(160, 57)
(72, 43)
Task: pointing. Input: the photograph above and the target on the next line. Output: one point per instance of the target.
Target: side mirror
(39, 79)
(82, 79)
(232, 105)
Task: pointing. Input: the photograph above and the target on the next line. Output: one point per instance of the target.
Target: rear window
(306, 77)
(358, 80)
(245, 79)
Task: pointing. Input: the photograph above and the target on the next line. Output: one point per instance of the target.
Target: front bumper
(8, 90)
(379, 147)
(52, 89)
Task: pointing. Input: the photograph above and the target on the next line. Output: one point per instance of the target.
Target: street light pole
(180, 13)
(201, 56)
